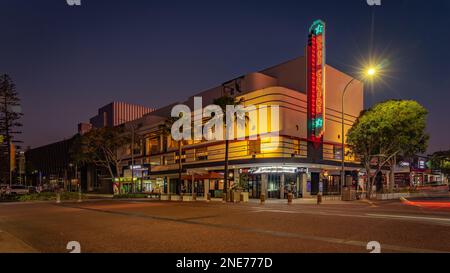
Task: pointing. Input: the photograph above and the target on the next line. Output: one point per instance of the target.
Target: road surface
(158, 226)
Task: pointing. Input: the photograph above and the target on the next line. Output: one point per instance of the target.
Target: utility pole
(132, 159)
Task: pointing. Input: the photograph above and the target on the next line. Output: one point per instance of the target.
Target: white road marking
(435, 220)
(410, 217)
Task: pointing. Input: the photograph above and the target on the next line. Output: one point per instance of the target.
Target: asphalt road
(154, 226)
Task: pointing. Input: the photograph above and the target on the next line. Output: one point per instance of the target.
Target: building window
(183, 157)
(201, 153)
(254, 147)
(152, 146)
(105, 119)
(337, 152)
(137, 147)
(296, 146)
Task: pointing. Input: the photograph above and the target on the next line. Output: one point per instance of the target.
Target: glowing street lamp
(370, 72)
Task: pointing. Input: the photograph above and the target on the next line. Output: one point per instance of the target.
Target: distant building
(51, 164)
(117, 113)
(83, 128)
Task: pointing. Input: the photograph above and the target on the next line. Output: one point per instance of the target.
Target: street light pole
(343, 138)
(370, 72)
(132, 159)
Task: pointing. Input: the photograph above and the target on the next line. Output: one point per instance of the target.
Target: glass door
(273, 185)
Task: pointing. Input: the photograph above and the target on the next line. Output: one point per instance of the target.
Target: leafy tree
(102, 147)
(222, 102)
(441, 161)
(10, 114)
(385, 131)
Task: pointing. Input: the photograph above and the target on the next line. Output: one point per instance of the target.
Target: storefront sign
(274, 170)
(316, 81)
(403, 164)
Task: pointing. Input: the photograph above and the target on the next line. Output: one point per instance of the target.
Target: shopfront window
(291, 184)
(273, 186)
(254, 185)
(332, 185)
(216, 188)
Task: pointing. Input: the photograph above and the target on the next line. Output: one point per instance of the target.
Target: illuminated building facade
(304, 159)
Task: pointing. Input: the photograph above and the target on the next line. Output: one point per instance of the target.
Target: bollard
(319, 198)
(290, 196)
(262, 198)
(58, 198)
(208, 197)
(224, 197)
(79, 197)
(194, 197)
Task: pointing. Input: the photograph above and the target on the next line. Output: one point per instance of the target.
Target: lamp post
(132, 159)
(343, 137)
(71, 177)
(133, 128)
(370, 72)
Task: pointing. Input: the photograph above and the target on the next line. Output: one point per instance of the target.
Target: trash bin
(348, 194)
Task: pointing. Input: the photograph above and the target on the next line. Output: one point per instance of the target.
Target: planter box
(187, 198)
(175, 198)
(235, 196)
(164, 197)
(244, 197)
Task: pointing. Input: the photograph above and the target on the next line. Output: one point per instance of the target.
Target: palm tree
(222, 102)
(165, 129)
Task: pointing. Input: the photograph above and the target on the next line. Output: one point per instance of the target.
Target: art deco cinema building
(304, 159)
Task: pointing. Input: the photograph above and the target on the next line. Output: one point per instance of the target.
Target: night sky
(68, 61)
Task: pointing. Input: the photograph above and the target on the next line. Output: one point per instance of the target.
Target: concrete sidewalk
(12, 244)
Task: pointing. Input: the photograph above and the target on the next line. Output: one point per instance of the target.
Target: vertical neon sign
(316, 81)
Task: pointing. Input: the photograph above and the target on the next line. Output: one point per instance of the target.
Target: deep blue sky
(69, 61)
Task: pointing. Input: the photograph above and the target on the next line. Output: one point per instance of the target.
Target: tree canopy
(388, 130)
(10, 115)
(102, 146)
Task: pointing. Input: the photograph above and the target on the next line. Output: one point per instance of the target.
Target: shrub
(43, 196)
(131, 195)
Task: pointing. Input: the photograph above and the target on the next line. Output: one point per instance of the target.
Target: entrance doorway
(273, 185)
(315, 179)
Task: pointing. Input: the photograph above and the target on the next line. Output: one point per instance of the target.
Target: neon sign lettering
(316, 81)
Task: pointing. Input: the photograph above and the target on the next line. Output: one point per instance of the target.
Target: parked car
(17, 190)
(32, 189)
